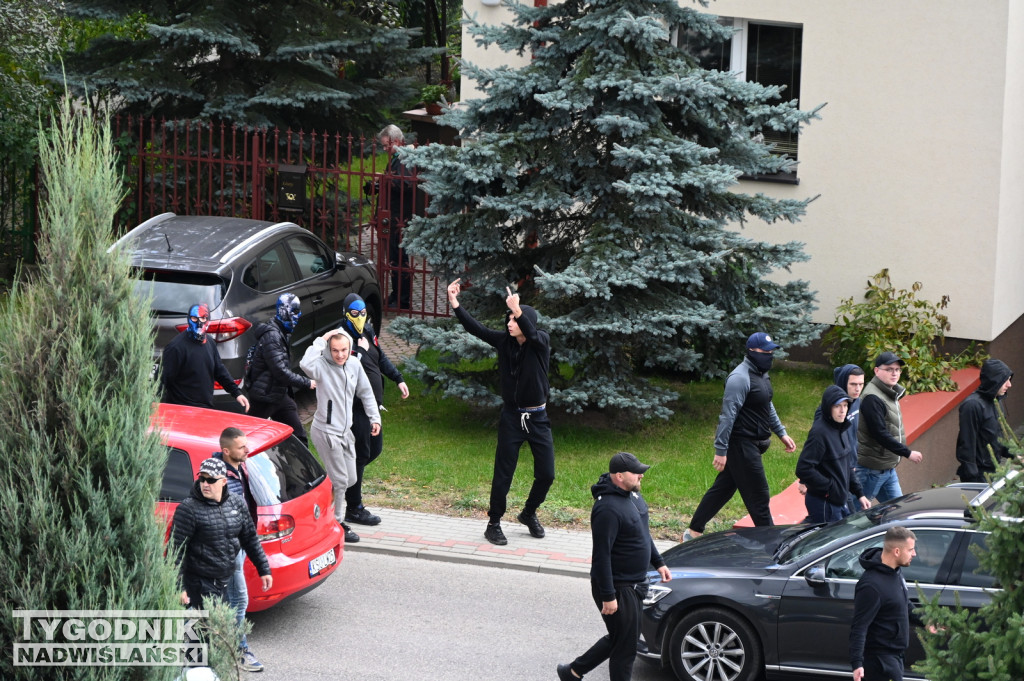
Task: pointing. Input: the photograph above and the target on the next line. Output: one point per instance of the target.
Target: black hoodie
(979, 424)
(623, 548)
(882, 611)
(824, 463)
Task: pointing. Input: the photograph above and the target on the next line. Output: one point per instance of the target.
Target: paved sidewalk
(461, 540)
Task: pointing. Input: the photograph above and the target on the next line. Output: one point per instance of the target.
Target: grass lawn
(439, 454)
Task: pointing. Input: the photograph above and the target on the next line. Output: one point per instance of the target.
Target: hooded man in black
(979, 424)
(524, 352)
(882, 611)
(623, 552)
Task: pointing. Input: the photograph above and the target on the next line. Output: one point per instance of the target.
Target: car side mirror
(815, 576)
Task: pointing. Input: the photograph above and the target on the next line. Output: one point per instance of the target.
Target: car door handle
(318, 300)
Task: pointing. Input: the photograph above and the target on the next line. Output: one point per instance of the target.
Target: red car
(294, 498)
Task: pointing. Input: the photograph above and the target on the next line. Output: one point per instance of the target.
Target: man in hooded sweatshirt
(824, 463)
(272, 377)
(367, 350)
(980, 430)
(524, 352)
(882, 611)
(745, 427)
(338, 382)
(623, 552)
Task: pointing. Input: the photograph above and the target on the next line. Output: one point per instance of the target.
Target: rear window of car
(173, 293)
(283, 472)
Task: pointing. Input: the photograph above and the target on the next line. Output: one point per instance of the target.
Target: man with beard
(623, 551)
(745, 426)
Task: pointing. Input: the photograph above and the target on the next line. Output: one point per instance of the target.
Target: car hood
(748, 547)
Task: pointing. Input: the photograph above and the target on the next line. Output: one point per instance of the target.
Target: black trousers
(512, 433)
(368, 448)
(883, 667)
(744, 472)
(285, 411)
(201, 589)
(619, 645)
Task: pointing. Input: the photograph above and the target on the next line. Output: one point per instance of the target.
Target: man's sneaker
(350, 536)
(250, 663)
(565, 673)
(532, 523)
(494, 534)
(361, 516)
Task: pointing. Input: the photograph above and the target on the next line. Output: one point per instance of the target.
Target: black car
(239, 267)
(778, 601)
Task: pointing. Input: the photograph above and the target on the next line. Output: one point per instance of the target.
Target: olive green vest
(870, 453)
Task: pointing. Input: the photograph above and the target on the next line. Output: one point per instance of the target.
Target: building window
(766, 53)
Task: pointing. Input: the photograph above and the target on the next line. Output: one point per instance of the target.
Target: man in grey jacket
(338, 382)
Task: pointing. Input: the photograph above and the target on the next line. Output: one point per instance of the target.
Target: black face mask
(761, 360)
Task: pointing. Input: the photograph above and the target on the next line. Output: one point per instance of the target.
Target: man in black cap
(744, 433)
(979, 439)
(524, 352)
(623, 553)
(881, 440)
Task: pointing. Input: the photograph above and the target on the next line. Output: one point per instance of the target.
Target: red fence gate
(341, 188)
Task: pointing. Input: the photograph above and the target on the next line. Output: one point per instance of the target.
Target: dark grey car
(239, 267)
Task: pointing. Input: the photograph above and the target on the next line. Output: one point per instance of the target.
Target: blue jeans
(881, 485)
(819, 510)
(238, 594)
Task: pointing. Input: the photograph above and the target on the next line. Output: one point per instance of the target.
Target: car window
(932, 549)
(173, 293)
(820, 537)
(283, 472)
(178, 478)
(972, 573)
(270, 271)
(310, 256)
(845, 564)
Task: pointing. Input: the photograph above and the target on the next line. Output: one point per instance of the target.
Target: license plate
(320, 563)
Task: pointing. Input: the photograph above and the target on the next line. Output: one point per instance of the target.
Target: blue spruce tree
(601, 180)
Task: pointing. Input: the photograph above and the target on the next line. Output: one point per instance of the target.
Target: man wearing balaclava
(190, 363)
(745, 427)
(272, 377)
(376, 364)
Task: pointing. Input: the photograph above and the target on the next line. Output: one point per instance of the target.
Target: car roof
(939, 503)
(200, 242)
(198, 430)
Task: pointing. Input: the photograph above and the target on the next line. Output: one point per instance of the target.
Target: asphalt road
(390, 618)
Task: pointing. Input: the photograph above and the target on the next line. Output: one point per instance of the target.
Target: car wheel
(711, 644)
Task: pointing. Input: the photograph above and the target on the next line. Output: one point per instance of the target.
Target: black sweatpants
(619, 645)
(744, 472)
(285, 411)
(368, 448)
(513, 431)
(883, 667)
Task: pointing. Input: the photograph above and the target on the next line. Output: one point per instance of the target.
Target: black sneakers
(361, 516)
(532, 523)
(494, 534)
(350, 536)
(565, 673)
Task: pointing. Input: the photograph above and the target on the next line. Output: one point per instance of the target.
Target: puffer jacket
(272, 376)
(207, 535)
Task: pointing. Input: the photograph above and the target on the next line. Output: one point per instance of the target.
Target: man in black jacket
(882, 611)
(272, 377)
(524, 352)
(980, 431)
(366, 349)
(623, 552)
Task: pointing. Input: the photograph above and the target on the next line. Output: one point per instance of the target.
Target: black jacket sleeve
(275, 354)
(251, 543)
(221, 373)
(490, 336)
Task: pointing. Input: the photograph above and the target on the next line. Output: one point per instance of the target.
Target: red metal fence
(341, 188)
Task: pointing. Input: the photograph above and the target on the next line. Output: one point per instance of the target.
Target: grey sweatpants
(338, 452)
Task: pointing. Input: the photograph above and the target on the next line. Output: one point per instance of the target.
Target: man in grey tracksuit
(338, 382)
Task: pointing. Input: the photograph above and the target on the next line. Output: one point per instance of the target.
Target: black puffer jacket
(207, 535)
(272, 375)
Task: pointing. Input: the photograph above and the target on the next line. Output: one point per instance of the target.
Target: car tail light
(273, 527)
(222, 330)
(218, 386)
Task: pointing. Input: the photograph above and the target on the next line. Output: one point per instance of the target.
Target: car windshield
(173, 293)
(283, 472)
(821, 536)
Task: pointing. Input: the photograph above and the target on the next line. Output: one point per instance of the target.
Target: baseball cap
(888, 358)
(761, 341)
(213, 468)
(625, 462)
(843, 400)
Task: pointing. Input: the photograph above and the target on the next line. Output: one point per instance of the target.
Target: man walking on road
(980, 431)
(745, 427)
(623, 552)
(524, 352)
(882, 612)
(881, 440)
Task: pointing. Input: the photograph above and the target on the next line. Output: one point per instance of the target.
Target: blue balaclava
(289, 309)
(198, 320)
(355, 312)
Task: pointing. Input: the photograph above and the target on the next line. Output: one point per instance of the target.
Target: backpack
(250, 357)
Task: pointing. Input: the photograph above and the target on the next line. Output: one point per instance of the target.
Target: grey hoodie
(335, 387)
